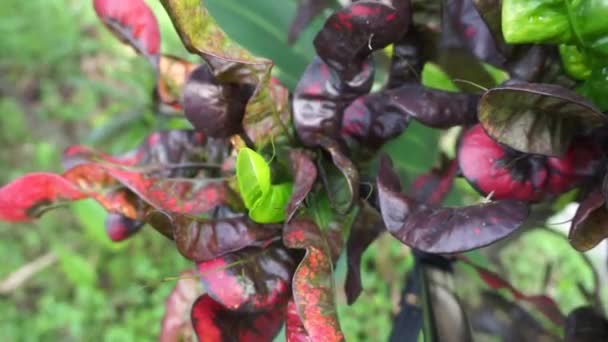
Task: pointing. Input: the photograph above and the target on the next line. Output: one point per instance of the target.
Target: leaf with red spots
(536, 118)
(176, 324)
(589, 225)
(542, 303)
(432, 187)
(367, 227)
(435, 229)
(313, 284)
(250, 280)
(294, 329)
(214, 323)
(304, 176)
(351, 34)
(200, 239)
(29, 196)
(585, 324)
(172, 75)
(120, 227)
(307, 10)
(231, 66)
(133, 22)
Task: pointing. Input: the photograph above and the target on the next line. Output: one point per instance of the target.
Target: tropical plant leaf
(253, 176)
(176, 324)
(214, 323)
(304, 175)
(250, 280)
(313, 285)
(120, 227)
(173, 72)
(537, 21)
(432, 187)
(294, 329)
(133, 22)
(307, 10)
(435, 229)
(588, 226)
(536, 118)
(271, 207)
(200, 239)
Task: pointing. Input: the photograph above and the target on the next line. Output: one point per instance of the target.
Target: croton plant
(270, 186)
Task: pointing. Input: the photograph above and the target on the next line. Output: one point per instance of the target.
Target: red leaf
(29, 196)
(542, 303)
(214, 323)
(133, 22)
(313, 287)
(120, 227)
(294, 329)
(176, 324)
(433, 186)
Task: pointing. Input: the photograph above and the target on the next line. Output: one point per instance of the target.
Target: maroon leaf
(214, 323)
(351, 34)
(29, 196)
(307, 10)
(213, 107)
(366, 228)
(348, 170)
(589, 225)
(435, 229)
(294, 329)
(133, 22)
(313, 286)
(250, 280)
(585, 324)
(408, 60)
(542, 303)
(305, 175)
(176, 324)
(432, 187)
(120, 227)
(200, 239)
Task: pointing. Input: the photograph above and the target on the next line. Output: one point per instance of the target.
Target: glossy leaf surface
(253, 176)
(313, 286)
(304, 174)
(435, 229)
(432, 187)
(214, 323)
(536, 118)
(120, 227)
(133, 22)
(176, 324)
(250, 280)
(589, 225)
(536, 21)
(271, 207)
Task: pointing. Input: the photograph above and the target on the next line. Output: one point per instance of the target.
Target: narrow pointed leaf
(250, 280)
(176, 324)
(214, 323)
(590, 223)
(313, 286)
(435, 229)
(120, 227)
(253, 176)
(304, 174)
(133, 22)
(536, 118)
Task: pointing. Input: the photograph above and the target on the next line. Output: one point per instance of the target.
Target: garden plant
(270, 187)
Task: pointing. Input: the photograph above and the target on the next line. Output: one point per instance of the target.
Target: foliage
(268, 188)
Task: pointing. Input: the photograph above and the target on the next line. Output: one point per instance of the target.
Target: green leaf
(253, 176)
(575, 61)
(270, 208)
(434, 77)
(535, 21)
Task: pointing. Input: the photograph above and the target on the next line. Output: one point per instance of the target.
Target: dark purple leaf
(366, 228)
(313, 285)
(200, 239)
(133, 22)
(213, 107)
(586, 325)
(307, 10)
(590, 223)
(348, 170)
(408, 60)
(435, 229)
(214, 323)
(351, 34)
(536, 118)
(176, 324)
(173, 72)
(250, 280)
(304, 176)
(120, 227)
(432, 187)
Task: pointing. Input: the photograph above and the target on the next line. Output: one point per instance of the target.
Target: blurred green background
(65, 80)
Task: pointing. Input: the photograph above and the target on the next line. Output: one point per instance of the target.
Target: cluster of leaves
(265, 193)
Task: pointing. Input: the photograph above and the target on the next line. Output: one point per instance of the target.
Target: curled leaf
(304, 174)
(536, 118)
(133, 22)
(313, 286)
(435, 229)
(29, 196)
(176, 324)
(214, 323)
(206, 239)
(250, 280)
(120, 227)
(271, 207)
(588, 226)
(253, 176)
